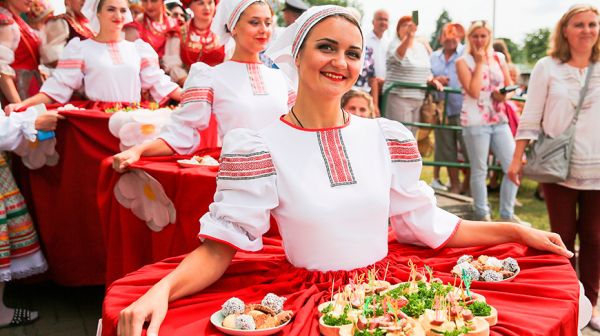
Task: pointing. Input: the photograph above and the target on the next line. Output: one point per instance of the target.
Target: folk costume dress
(109, 72)
(331, 192)
(241, 95)
(59, 31)
(155, 33)
(19, 53)
(20, 253)
(193, 45)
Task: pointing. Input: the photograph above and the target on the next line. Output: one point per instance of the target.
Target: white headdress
(90, 11)
(285, 49)
(227, 15)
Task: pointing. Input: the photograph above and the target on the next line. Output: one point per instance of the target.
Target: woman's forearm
(403, 47)
(520, 149)
(7, 85)
(474, 87)
(474, 233)
(156, 147)
(37, 99)
(201, 268)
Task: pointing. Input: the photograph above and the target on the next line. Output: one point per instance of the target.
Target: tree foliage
(439, 24)
(515, 51)
(536, 45)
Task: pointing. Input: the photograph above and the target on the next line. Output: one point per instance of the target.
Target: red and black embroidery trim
(403, 150)
(335, 156)
(246, 166)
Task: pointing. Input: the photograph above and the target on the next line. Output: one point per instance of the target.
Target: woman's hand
(125, 159)
(515, 171)
(47, 121)
(435, 83)
(498, 97)
(10, 108)
(544, 241)
(151, 307)
(479, 55)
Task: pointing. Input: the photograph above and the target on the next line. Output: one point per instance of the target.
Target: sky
(514, 18)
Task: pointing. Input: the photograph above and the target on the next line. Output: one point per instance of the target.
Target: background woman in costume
(176, 10)
(63, 28)
(554, 89)
(116, 70)
(21, 255)
(19, 53)
(196, 42)
(408, 62)
(154, 27)
(241, 92)
(482, 73)
(325, 44)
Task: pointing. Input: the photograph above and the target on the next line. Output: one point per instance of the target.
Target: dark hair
(171, 5)
(100, 4)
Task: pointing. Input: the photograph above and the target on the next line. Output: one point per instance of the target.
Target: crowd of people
(283, 95)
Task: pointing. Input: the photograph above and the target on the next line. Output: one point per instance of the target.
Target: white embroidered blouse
(109, 72)
(241, 95)
(331, 191)
(552, 97)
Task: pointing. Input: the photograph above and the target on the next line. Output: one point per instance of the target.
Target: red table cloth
(541, 300)
(64, 197)
(129, 243)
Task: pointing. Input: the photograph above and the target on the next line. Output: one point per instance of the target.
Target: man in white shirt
(373, 72)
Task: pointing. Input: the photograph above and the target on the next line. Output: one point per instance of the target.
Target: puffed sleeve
(537, 93)
(54, 42)
(15, 128)
(181, 133)
(246, 193)
(152, 76)
(414, 215)
(68, 75)
(9, 40)
(171, 61)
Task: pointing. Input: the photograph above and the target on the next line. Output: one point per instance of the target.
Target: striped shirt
(414, 67)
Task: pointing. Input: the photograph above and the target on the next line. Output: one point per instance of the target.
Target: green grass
(533, 210)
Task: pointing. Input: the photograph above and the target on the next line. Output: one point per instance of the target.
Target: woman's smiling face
(329, 61)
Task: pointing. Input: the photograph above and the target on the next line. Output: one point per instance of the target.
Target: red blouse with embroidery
(78, 26)
(27, 54)
(155, 33)
(200, 46)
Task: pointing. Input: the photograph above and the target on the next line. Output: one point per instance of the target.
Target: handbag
(549, 158)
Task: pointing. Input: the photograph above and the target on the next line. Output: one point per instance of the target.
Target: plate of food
(486, 268)
(260, 319)
(200, 161)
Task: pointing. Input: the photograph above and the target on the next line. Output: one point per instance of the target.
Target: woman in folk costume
(19, 52)
(154, 26)
(315, 155)
(241, 92)
(196, 42)
(110, 69)
(20, 253)
(63, 28)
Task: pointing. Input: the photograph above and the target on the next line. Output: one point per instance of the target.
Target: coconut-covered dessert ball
(233, 306)
(465, 258)
(510, 264)
(491, 276)
(470, 269)
(245, 322)
(274, 302)
(494, 262)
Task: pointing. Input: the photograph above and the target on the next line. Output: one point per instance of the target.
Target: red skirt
(541, 300)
